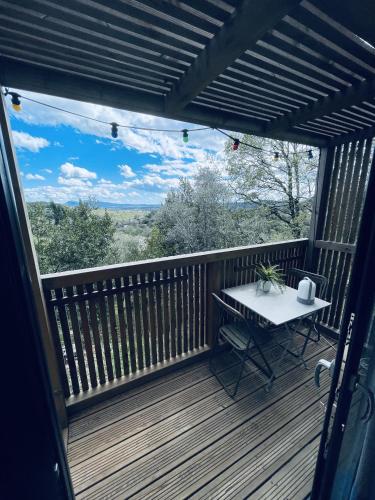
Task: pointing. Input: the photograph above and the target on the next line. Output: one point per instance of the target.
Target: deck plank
(182, 435)
(265, 434)
(294, 480)
(118, 428)
(137, 399)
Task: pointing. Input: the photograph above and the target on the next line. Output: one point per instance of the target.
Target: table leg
(295, 352)
(291, 344)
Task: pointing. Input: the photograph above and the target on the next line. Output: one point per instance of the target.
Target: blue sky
(65, 158)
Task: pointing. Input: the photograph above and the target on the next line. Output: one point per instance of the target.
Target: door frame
(35, 463)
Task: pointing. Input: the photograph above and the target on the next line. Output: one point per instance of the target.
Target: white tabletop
(274, 306)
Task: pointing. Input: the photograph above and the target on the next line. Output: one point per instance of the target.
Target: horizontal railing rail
(109, 323)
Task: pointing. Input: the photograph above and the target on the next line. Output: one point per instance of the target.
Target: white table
(277, 308)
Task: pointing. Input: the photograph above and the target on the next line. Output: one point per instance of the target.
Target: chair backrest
(254, 330)
(320, 280)
(226, 308)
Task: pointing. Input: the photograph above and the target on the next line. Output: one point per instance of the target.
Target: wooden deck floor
(181, 436)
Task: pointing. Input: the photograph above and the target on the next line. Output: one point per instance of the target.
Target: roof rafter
(25, 76)
(352, 96)
(251, 20)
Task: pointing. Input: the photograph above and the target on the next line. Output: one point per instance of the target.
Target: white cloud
(126, 171)
(73, 181)
(104, 181)
(70, 170)
(155, 181)
(34, 177)
(47, 170)
(25, 141)
(160, 144)
(173, 168)
(113, 193)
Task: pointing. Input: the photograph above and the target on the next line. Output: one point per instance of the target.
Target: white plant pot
(266, 286)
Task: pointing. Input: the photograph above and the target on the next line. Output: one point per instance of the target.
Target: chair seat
(236, 334)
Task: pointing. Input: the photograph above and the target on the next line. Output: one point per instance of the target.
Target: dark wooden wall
(344, 173)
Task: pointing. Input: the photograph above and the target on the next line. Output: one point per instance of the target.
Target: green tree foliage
(195, 217)
(68, 238)
(281, 190)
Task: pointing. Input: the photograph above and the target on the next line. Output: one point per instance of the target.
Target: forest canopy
(246, 198)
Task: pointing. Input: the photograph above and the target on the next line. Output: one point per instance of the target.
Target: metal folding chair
(321, 287)
(240, 334)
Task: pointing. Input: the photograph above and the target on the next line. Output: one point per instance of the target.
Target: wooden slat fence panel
(339, 219)
(107, 326)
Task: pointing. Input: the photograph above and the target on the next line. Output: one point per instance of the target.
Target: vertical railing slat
(166, 316)
(87, 338)
(67, 341)
(202, 292)
(129, 324)
(122, 326)
(137, 322)
(191, 307)
(103, 317)
(179, 274)
(113, 329)
(145, 321)
(159, 316)
(95, 332)
(57, 344)
(196, 306)
(172, 302)
(185, 309)
(77, 339)
(153, 328)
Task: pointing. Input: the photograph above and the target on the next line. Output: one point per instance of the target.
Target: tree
(195, 217)
(42, 228)
(282, 190)
(69, 238)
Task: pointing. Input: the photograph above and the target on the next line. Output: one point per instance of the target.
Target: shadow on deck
(181, 435)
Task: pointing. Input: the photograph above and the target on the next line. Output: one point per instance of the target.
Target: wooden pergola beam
(250, 21)
(25, 76)
(333, 103)
(358, 17)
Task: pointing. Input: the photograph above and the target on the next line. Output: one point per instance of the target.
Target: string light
(236, 143)
(15, 99)
(114, 131)
(16, 104)
(276, 156)
(185, 135)
(119, 125)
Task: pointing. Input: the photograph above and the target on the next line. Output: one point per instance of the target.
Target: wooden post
(214, 279)
(31, 266)
(319, 202)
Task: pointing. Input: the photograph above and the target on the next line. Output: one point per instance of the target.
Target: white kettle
(306, 291)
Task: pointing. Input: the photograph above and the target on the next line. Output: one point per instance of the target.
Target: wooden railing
(109, 323)
(344, 186)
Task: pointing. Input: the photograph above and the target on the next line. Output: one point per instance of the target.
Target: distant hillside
(117, 206)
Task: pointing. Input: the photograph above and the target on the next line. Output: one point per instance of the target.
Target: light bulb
(16, 103)
(235, 144)
(114, 131)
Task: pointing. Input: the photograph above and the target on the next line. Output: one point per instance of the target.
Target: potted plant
(268, 276)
